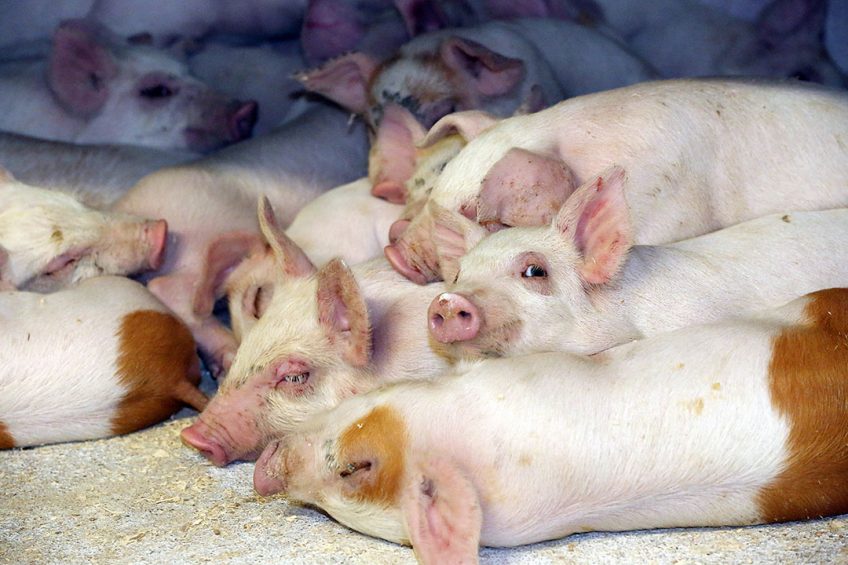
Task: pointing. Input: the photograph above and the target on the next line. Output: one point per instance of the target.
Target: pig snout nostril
(437, 320)
(465, 315)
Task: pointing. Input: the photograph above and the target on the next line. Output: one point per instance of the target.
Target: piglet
(580, 284)
(97, 88)
(53, 240)
(700, 154)
(125, 362)
(325, 335)
(735, 423)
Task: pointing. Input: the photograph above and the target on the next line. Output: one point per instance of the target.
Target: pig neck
(399, 339)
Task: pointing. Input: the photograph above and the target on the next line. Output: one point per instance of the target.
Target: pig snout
(156, 236)
(242, 119)
(198, 436)
(453, 318)
(391, 191)
(399, 263)
(266, 479)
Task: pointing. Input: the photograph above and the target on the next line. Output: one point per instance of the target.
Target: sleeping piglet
(700, 154)
(52, 240)
(736, 423)
(100, 359)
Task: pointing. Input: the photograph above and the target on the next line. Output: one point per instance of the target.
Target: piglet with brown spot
(101, 359)
(614, 440)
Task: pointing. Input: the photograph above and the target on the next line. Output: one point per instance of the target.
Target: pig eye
(534, 271)
(352, 468)
(296, 379)
(156, 91)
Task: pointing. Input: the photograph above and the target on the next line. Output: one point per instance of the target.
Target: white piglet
(53, 240)
(101, 359)
(735, 423)
(580, 285)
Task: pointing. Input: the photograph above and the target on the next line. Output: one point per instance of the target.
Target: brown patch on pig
(809, 387)
(380, 438)
(6, 439)
(57, 236)
(158, 365)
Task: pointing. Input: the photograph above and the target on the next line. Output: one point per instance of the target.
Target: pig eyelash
(352, 468)
(298, 379)
(534, 271)
(292, 382)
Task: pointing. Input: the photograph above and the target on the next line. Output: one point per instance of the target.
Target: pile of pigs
(569, 290)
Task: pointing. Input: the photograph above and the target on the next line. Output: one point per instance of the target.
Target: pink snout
(392, 191)
(265, 481)
(156, 235)
(197, 437)
(400, 264)
(453, 318)
(241, 121)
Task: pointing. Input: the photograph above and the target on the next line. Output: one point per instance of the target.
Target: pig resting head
(357, 463)
(526, 290)
(309, 350)
(53, 241)
(139, 95)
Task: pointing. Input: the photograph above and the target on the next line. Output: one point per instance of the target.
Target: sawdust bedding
(144, 498)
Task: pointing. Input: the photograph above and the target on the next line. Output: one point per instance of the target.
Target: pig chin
(492, 341)
(204, 141)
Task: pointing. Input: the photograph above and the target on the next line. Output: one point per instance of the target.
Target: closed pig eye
(156, 91)
(354, 467)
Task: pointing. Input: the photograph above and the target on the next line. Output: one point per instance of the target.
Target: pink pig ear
(392, 158)
(289, 255)
(468, 124)
(442, 513)
(342, 312)
(485, 71)
(421, 16)
(524, 189)
(597, 220)
(80, 67)
(222, 256)
(453, 236)
(343, 80)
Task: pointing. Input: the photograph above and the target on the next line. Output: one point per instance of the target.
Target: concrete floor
(144, 498)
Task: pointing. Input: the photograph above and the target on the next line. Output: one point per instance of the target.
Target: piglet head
(355, 462)
(526, 290)
(309, 350)
(132, 93)
(251, 285)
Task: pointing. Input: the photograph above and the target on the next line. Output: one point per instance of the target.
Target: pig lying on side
(101, 359)
(210, 206)
(735, 423)
(701, 155)
(52, 240)
(494, 67)
(96, 88)
(579, 285)
(325, 335)
(98, 175)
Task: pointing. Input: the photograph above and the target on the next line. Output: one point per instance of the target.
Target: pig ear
(442, 514)
(597, 220)
(343, 80)
(222, 255)
(467, 124)
(487, 72)
(342, 312)
(80, 68)
(392, 159)
(524, 189)
(421, 16)
(453, 236)
(289, 255)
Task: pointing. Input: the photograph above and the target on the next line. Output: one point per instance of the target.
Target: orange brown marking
(809, 386)
(6, 439)
(380, 438)
(158, 365)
